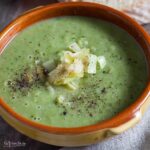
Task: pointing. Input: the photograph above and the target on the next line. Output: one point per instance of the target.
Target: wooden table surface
(10, 9)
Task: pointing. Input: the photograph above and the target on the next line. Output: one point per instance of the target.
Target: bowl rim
(121, 118)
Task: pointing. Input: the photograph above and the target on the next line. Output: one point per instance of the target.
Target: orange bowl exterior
(86, 135)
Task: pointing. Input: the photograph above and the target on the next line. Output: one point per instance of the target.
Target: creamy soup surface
(96, 97)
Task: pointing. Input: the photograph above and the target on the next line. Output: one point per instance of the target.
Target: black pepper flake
(129, 59)
(79, 98)
(36, 51)
(29, 78)
(103, 90)
(30, 57)
(9, 83)
(32, 116)
(90, 114)
(13, 97)
(131, 97)
(45, 72)
(120, 58)
(64, 113)
(79, 110)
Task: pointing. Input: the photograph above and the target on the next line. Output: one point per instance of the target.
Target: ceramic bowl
(86, 135)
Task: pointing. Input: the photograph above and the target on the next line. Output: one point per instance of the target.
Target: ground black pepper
(90, 114)
(64, 113)
(103, 90)
(28, 79)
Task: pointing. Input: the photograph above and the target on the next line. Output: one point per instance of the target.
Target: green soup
(99, 96)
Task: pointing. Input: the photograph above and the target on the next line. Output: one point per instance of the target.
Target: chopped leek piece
(102, 61)
(51, 90)
(60, 99)
(67, 57)
(72, 85)
(92, 64)
(49, 65)
(37, 62)
(74, 47)
(74, 64)
(76, 69)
